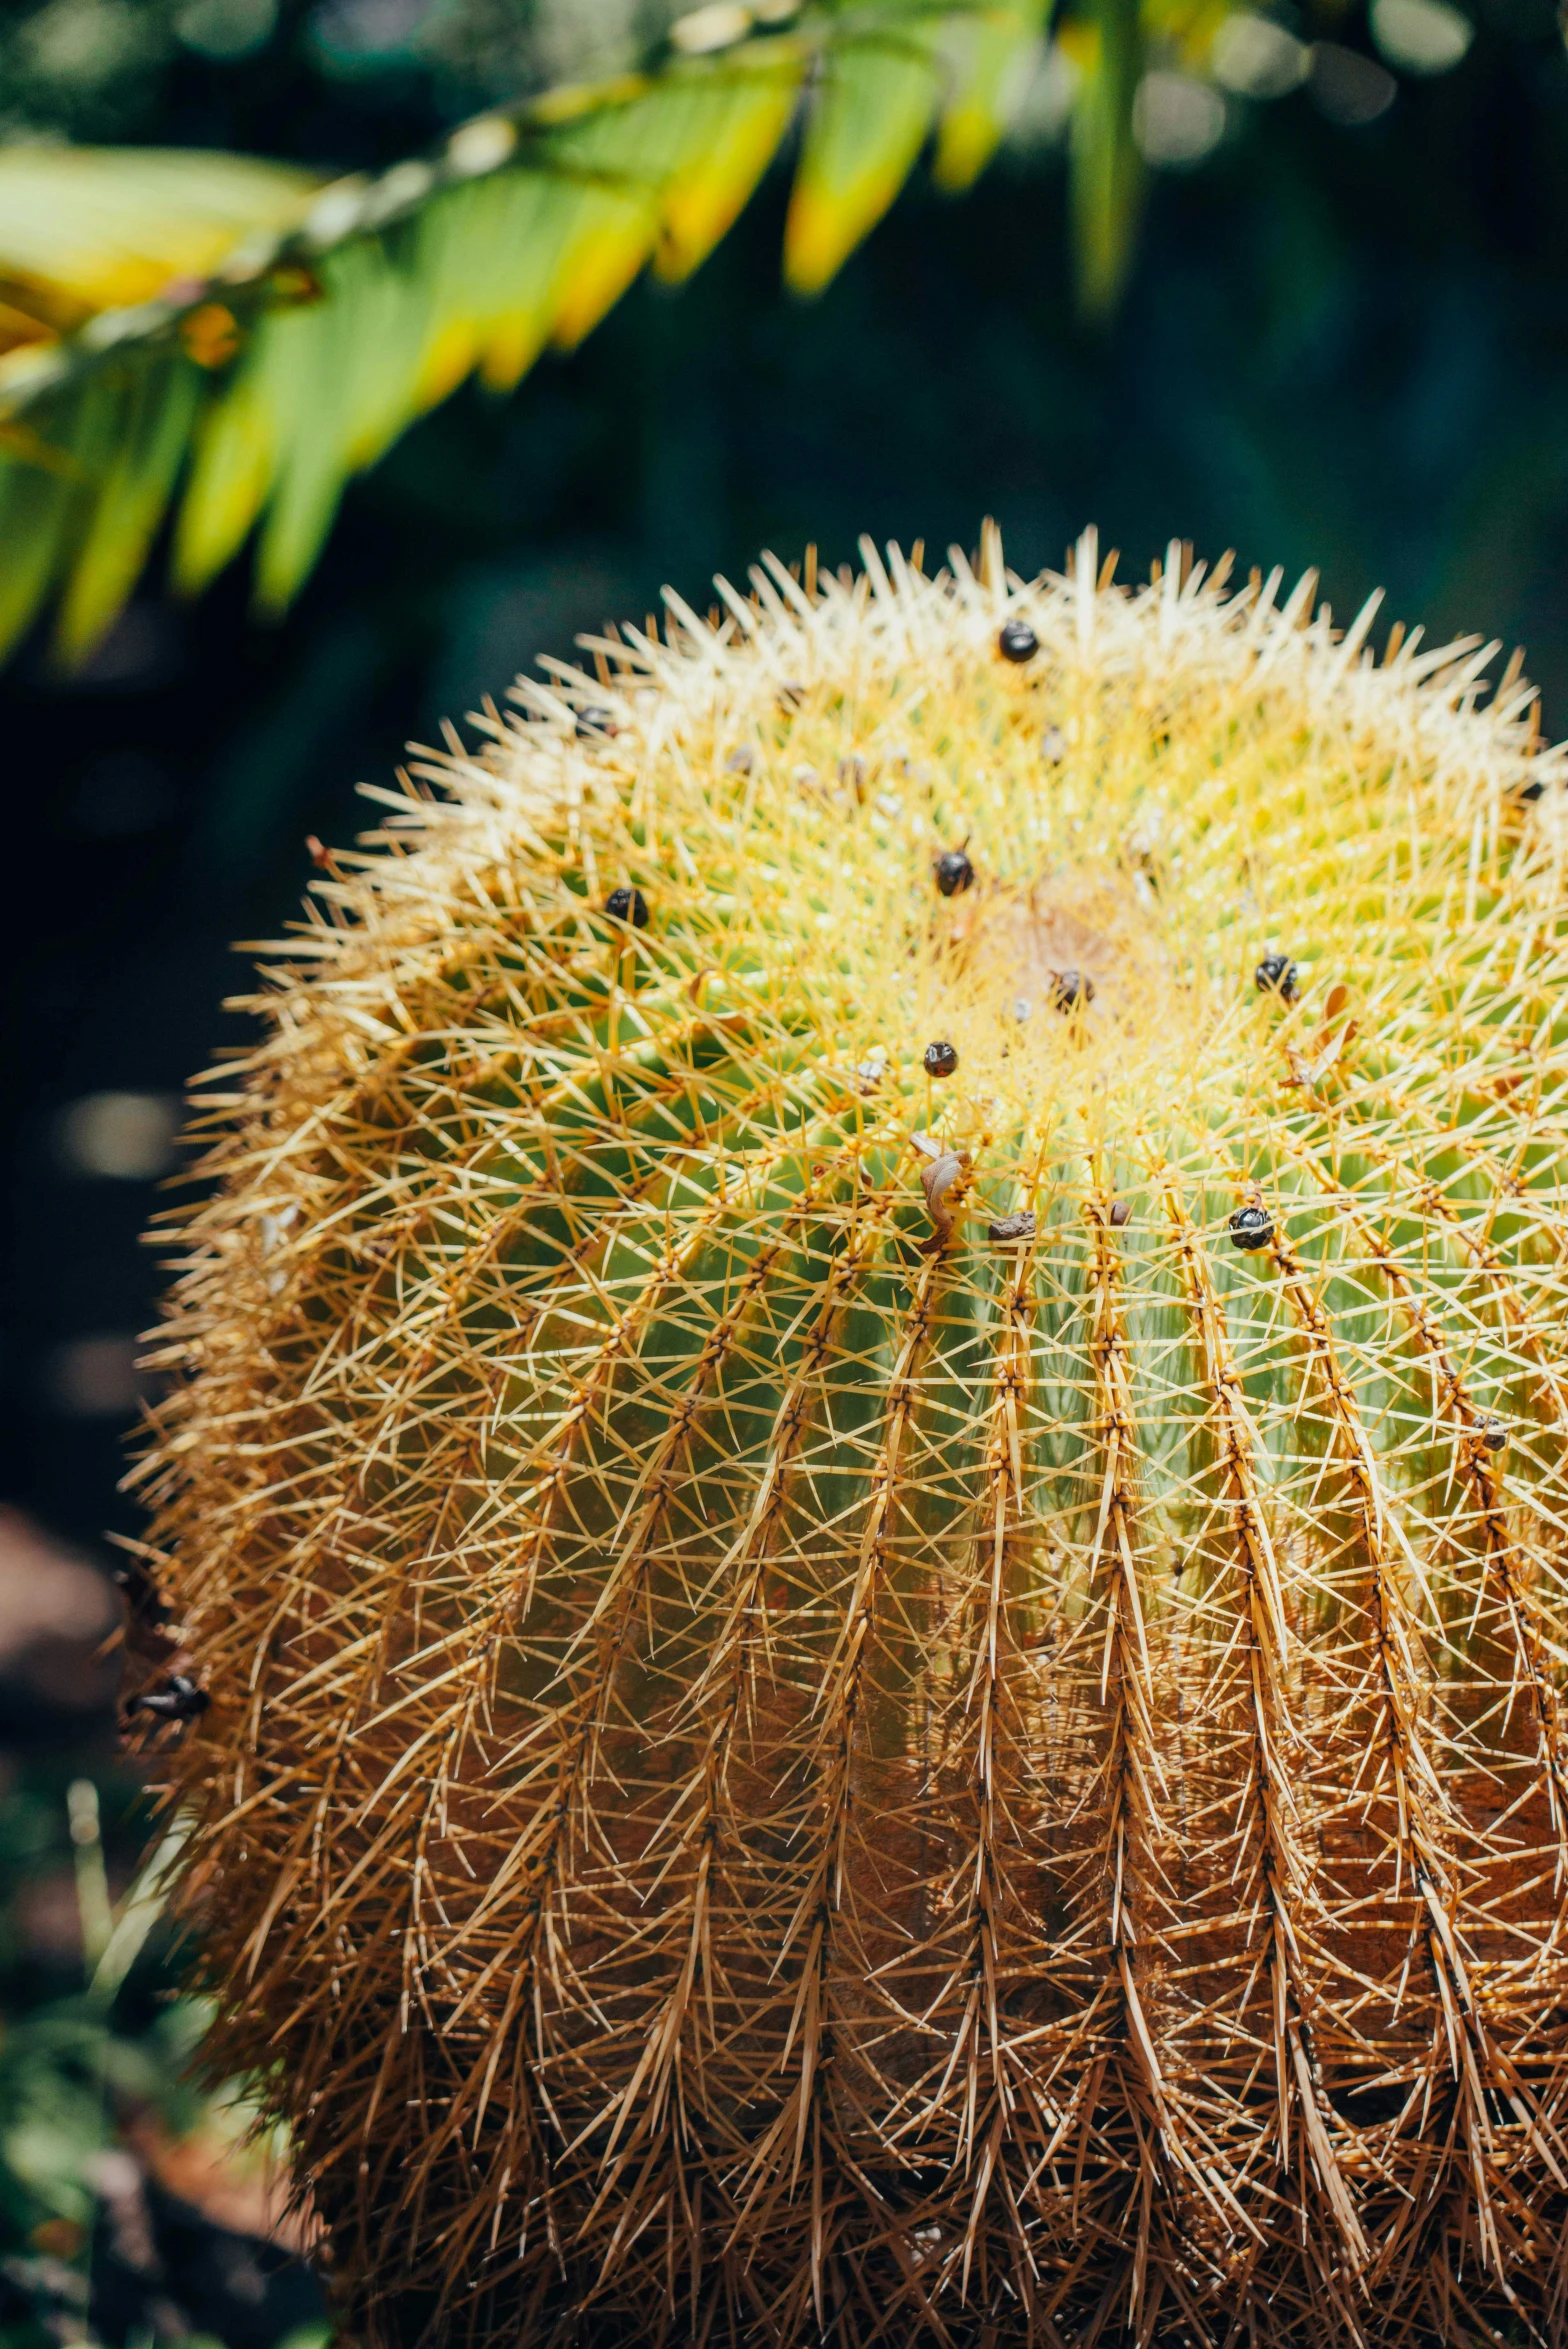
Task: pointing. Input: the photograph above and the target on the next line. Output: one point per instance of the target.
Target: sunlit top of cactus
(868, 816)
(871, 1502)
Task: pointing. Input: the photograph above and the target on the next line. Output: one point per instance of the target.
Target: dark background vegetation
(1340, 346)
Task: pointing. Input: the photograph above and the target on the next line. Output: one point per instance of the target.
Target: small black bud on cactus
(1121, 1213)
(954, 872)
(1277, 975)
(1492, 1432)
(178, 1699)
(627, 905)
(1072, 988)
(939, 1060)
(1251, 1228)
(1016, 641)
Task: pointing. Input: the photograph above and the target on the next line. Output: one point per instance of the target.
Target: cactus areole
(861, 1703)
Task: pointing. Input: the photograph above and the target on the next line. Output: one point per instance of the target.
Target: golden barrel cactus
(869, 1484)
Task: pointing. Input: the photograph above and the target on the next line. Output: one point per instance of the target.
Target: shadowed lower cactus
(910, 1705)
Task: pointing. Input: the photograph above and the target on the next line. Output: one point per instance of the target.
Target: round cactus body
(893, 1693)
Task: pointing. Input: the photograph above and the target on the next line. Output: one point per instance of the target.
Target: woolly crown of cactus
(869, 1488)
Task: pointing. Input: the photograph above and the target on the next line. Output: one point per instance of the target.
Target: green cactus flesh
(794, 1752)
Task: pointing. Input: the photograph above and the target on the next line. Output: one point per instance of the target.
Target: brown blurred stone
(59, 1626)
(235, 2181)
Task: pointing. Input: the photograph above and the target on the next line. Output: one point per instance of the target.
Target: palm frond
(233, 340)
(84, 229)
(1106, 166)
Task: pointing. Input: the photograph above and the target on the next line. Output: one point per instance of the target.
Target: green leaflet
(343, 377)
(332, 372)
(100, 227)
(483, 275)
(1107, 175)
(748, 116)
(43, 505)
(322, 390)
(617, 161)
(35, 503)
(868, 123)
(229, 477)
(988, 55)
(153, 424)
(676, 161)
(495, 253)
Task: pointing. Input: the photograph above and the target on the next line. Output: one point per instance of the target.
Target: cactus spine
(903, 1705)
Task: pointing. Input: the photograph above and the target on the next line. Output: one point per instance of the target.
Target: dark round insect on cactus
(939, 1060)
(1492, 1432)
(1011, 1227)
(1277, 975)
(178, 1699)
(1016, 641)
(1070, 989)
(627, 905)
(594, 723)
(954, 872)
(1121, 1213)
(1251, 1228)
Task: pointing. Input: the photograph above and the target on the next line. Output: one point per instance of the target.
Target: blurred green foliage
(100, 2105)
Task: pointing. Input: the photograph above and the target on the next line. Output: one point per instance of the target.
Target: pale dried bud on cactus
(767, 1778)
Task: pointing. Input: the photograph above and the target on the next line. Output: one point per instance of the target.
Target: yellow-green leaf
(229, 479)
(101, 228)
(1107, 171)
(702, 202)
(869, 118)
(35, 505)
(990, 54)
(330, 373)
(634, 156)
(152, 428)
